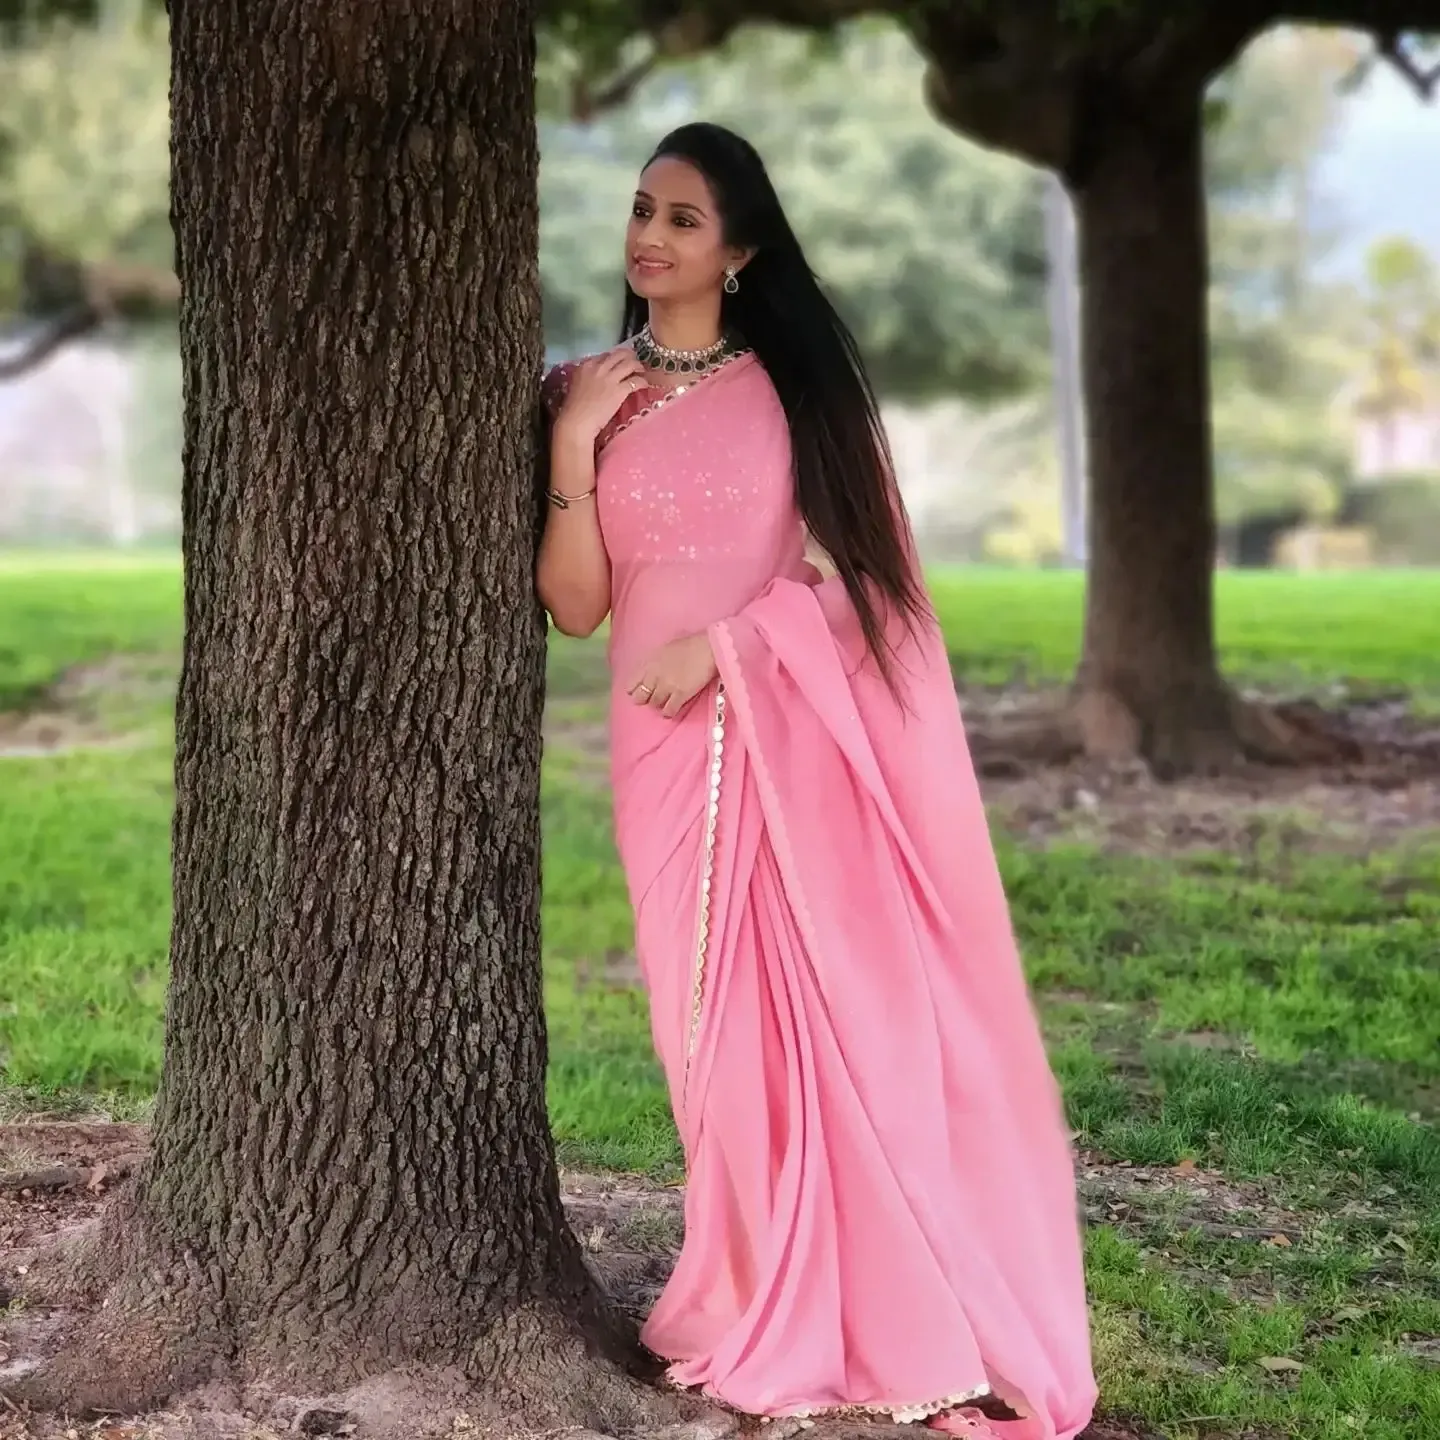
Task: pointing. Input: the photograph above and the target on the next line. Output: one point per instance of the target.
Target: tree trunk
(352, 1169)
(1148, 682)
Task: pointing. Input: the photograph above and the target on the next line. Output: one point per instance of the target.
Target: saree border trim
(898, 1413)
(668, 397)
(707, 873)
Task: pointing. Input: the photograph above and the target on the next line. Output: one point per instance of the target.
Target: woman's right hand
(598, 387)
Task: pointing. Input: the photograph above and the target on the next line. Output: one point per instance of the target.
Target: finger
(623, 358)
(630, 376)
(676, 704)
(642, 692)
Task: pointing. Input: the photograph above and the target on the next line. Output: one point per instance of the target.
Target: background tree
(1112, 98)
(1396, 493)
(351, 1169)
(1280, 333)
(1402, 331)
(84, 176)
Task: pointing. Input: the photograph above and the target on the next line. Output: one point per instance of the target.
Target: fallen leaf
(97, 1179)
(1185, 1167)
(1279, 1364)
(1283, 1241)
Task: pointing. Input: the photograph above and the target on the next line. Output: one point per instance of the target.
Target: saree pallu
(880, 1209)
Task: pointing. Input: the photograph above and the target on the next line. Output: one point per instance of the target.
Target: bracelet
(564, 502)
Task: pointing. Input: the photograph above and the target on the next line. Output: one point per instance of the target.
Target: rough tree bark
(1148, 681)
(352, 1169)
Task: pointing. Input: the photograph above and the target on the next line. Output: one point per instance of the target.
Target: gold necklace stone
(655, 356)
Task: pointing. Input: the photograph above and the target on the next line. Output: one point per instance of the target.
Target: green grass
(1375, 631)
(60, 612)
(1268, 1021)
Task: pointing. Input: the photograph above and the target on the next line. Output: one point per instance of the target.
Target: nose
(649, 240)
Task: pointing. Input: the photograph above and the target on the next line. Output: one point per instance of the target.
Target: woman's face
(674, 245)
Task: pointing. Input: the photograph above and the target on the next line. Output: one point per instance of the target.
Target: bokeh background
(1325, 297)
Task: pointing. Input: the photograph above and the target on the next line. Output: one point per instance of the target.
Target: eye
(685, 221)
(639, 211)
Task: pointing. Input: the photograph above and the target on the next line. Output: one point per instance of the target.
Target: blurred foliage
(932, 247)
(84, 145)
(1402, 516)
(1402, 330)
(1281, 338)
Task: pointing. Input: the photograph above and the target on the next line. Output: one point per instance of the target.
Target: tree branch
(73, 326)
(683, 29)
(1390, 46)
(999, 78)
(1026, 76)
(586, 102)
(82, 299)
(680, 36)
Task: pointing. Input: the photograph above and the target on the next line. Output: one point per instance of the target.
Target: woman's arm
(572, 573)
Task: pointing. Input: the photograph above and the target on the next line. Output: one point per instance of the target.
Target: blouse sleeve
(554, 389)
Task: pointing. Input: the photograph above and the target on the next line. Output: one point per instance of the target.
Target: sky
(1383, 175)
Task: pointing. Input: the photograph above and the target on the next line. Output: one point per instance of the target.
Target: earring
(732, 282)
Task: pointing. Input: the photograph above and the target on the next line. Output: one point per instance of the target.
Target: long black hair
(844, 474)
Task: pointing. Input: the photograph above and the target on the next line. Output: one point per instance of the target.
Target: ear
(741, 258)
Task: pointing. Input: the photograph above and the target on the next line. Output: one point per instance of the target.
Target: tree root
(93, 1178)
(149, 1330)
(159, 1333)
(1212, 738)
(1295, 734)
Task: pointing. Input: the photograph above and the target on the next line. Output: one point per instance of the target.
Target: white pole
(1063, 298)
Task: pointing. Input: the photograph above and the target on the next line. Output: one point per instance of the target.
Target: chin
(651, 286)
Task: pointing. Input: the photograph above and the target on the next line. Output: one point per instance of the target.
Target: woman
(880, 1208)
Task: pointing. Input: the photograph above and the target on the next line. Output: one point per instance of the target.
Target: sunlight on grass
(1377, 630)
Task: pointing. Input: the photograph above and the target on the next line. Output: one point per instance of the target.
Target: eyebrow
(675, 205)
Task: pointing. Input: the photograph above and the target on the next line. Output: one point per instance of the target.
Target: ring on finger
(646, 690)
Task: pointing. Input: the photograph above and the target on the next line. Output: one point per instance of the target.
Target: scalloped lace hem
(899, 1414)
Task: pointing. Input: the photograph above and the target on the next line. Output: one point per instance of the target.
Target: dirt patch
(630, 1228)
(54, 1176)
(1125, 811)
(1387, 798)
(47, 731)
(100, 705)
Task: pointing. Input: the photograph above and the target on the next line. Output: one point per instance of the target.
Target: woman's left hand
(675, 674)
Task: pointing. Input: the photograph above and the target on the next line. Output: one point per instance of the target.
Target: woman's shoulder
(556, 384)
(557, 379)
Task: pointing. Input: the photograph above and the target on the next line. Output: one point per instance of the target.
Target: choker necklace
(656, 356)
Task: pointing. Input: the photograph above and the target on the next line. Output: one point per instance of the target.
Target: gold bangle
(564, 502)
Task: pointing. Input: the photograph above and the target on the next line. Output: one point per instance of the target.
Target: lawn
(1249, 1041)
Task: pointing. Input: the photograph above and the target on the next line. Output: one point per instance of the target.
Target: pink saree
(880, 1209)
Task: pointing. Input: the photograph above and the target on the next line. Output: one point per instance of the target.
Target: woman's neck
(687, 327)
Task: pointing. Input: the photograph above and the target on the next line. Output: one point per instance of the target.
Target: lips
(650, 266)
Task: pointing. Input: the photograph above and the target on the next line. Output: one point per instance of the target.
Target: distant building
(68, 460)
(1406, 443)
